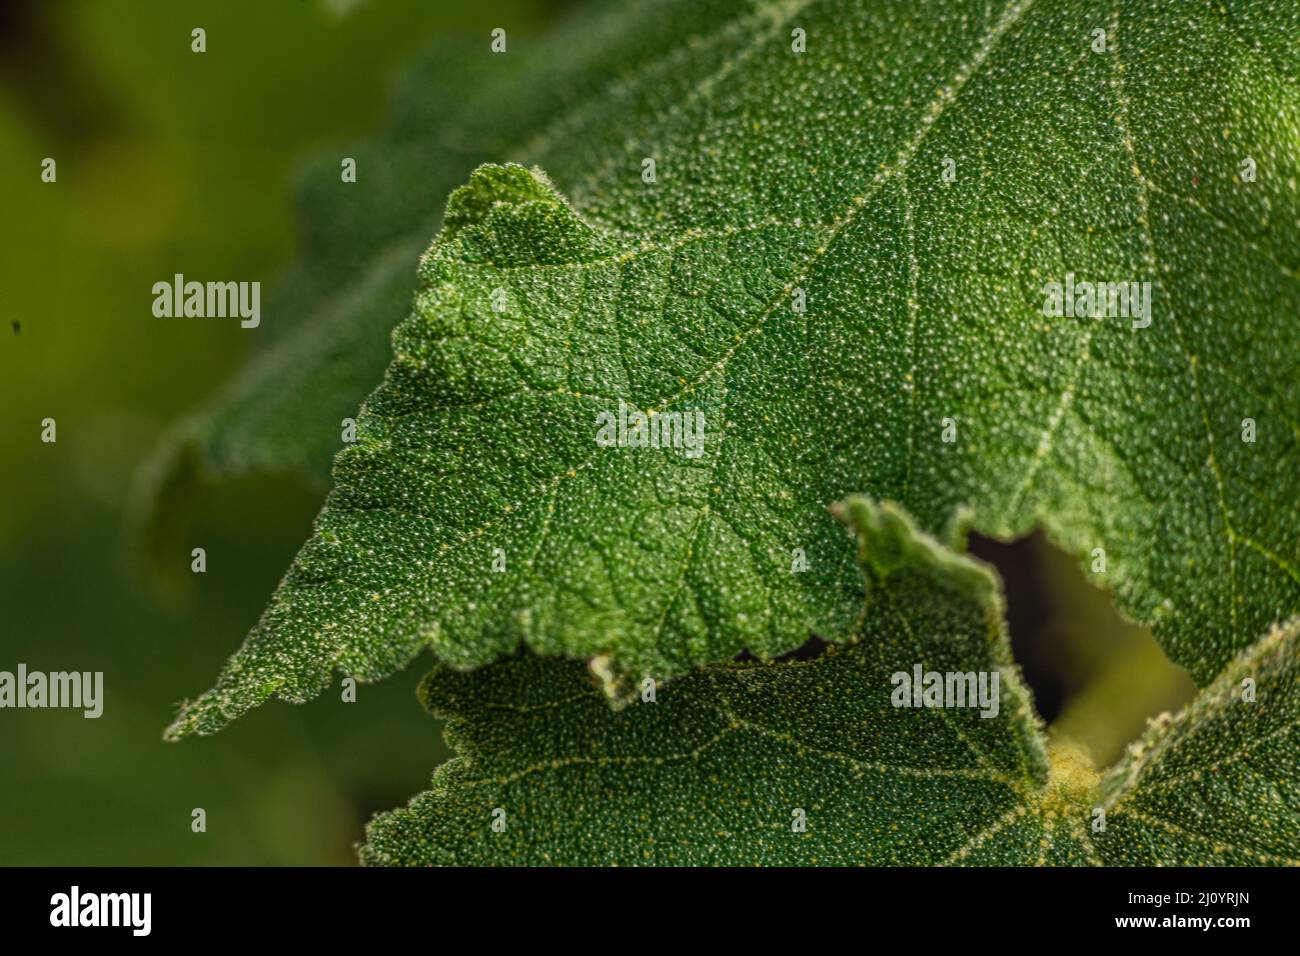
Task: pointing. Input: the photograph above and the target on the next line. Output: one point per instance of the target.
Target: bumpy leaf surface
(840, 264)
(721, 765)
(1217, 785)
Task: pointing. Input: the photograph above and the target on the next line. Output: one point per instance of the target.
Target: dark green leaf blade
(1216, 785)
(712, 770)
(716, 768)
(327, 324)
(924, 312)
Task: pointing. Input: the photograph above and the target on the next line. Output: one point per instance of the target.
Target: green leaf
(823, 172)
(1217, 784)
(328, 323)
(714, 769)
(324, 340)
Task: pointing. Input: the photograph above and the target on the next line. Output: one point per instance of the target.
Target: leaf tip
(491, 185)
(890, 540)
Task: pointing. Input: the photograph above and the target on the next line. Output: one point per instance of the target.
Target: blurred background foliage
(171, 162)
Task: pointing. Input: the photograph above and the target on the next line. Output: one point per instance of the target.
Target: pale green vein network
(715, 768)
(821, 173)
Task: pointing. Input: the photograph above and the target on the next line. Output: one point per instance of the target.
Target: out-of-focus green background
(174, 162)
(170, 161)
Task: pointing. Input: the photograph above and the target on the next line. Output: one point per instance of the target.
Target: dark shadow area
(1095, 677)
(1029, 613)
(810, 649)
(66, 100)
